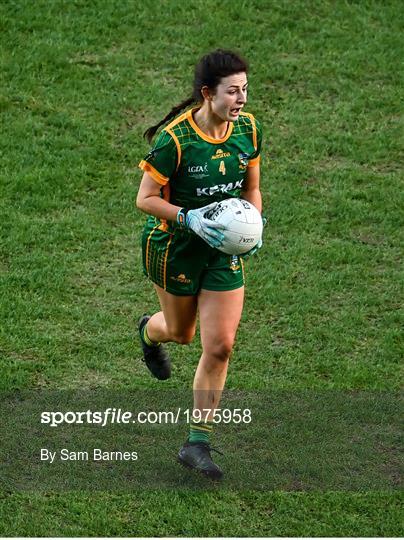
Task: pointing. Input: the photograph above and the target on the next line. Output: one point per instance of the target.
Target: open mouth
(235, 111)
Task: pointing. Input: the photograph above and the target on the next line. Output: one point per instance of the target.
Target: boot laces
(211, 449)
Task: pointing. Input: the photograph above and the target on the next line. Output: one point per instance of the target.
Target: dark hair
(208, 72)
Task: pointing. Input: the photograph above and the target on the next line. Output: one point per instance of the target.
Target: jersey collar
(202, 134)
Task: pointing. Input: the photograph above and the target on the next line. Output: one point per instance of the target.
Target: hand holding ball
(242, 224)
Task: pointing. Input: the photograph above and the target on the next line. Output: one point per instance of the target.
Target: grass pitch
(82, 80)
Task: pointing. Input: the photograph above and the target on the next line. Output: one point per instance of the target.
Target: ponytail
(149, 133)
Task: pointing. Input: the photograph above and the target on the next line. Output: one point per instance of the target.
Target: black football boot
(154, 356)
(196, 456)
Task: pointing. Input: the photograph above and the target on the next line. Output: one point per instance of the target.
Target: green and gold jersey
(195, 169)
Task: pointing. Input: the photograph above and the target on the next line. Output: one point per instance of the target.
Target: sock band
(200, 431)
(146, 339)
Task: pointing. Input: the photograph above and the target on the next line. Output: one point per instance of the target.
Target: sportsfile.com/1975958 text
(113, 415)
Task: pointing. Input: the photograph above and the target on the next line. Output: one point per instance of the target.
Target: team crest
(243, 158)
(234, 264)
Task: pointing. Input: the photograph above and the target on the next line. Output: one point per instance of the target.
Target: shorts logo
(198, 171)
(234, 265)
(220, 154)
(181, 278)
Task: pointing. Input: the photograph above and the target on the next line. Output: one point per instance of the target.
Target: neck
(210, 123)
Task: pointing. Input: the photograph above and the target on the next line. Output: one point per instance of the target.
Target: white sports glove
(205, 228)
(254, 250)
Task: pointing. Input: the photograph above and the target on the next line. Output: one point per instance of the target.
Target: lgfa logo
(198, 168)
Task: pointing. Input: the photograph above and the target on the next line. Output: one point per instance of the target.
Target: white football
(243, 225)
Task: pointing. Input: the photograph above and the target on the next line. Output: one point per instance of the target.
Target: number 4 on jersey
(222, 168)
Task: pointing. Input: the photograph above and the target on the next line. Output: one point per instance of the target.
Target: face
(230, 97)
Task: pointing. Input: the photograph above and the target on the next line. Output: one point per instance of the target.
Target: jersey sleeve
(255, 157)
(161, 161)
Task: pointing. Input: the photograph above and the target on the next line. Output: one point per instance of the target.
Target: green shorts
(182, 263)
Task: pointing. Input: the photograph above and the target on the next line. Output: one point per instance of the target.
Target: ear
(206, 93)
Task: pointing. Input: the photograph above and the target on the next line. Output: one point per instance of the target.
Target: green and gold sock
(200, 431)
(145, 336)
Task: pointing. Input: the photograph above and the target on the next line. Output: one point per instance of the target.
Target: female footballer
(209, 153)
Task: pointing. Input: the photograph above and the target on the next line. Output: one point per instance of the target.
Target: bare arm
(149, 200)
(251, 188)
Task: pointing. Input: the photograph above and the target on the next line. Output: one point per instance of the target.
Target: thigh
(219, 315)
(179, 312)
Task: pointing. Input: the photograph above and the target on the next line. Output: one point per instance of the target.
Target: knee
(183, 337)
(221, 350)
